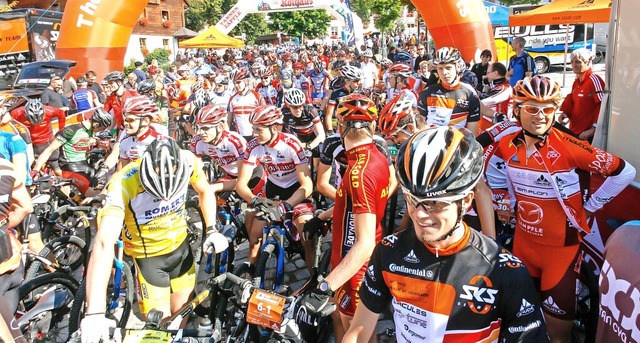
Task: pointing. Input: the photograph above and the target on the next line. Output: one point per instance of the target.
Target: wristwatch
(325, 288)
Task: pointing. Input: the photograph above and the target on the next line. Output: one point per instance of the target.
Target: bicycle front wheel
(44, 308)
(66, 253)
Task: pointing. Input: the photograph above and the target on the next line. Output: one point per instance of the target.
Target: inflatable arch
(95, 33)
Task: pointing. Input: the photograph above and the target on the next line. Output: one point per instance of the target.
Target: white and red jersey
(280, 158)
(132, 147)
(241, 107)
(270, 93)
(220, 99)
(225, 154)
(302, 83)
(497, 98)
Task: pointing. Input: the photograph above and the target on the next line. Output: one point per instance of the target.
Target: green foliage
(312, 23)
(253, 26)
(388, 10)
(130, 67)
(9, 7)
(362, 9)
(202, 13)
(159, 54)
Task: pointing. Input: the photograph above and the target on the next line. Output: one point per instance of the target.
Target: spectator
(582, 106)
(68, 87)
(51, 95)
(521, 64)
(131, 81)
(172, 74)
(140, 75)
(84, 98)
(423, 55)
(480, 69)
(92, 85)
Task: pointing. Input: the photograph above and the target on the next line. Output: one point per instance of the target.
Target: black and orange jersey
(444, 106)
(473, 291)
(364, 189)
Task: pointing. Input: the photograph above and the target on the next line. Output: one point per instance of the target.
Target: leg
(308, 246)
(255, 239)
(559, 330)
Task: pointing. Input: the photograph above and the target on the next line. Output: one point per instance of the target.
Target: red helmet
(286, 56)
(398, 108)
(140, 106)
(172, 91)
(298, 65)
(211, 114)
(265, 72)
(266, 115)
(239, 74)
(152, 70)
(400, 69)
(356, 107)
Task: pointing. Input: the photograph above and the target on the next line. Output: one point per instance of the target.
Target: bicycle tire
(58, 318)
(266, 270)
(195, 229)
(77, 310)
(56, 251)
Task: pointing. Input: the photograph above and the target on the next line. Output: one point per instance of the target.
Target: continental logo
(524, 328)
(481, 297)
(395, 268)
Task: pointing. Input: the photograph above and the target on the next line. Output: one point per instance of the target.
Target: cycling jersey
(303, 126)
(301, 82)
(333, 152)
(41, 133)
(8, 183)
(10, 145)
(364, 189)
(76, 142)
(219, 99)
(497, 99)
(280, 158)
(132, 147)
(152, 227)
(114, 105)
(83, 99)
(273, 94)
(17, 128)
(318, 81)
(225, 154)
(337, 83)
(241, 106)
(473, 291)
(449, 106)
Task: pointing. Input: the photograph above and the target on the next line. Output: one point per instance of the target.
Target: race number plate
(265, 309)
(147, 336)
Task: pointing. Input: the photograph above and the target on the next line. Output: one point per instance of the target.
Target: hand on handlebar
(95, 328)
(215, 242)
(313, 228)
(274, 212)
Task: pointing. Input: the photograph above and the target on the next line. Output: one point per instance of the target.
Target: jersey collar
(278, 138)
(455, 247)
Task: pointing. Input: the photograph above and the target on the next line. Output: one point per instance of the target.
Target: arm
(20, 204)
(393, 179)
(113, 156)
(359, 253)
(320, 136)
(484, 205)
(20, 165)
(242, 182)
(306, 185)
(207, 200)
(324, 181)
(44, 156)
(362, 326)
(473, 127)
(61, 118)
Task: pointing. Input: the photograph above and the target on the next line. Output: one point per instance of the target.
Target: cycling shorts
(555, 271)
(53, 159)
(160, 276)
(347, 296)
(303, 208)
(9, 292)
(79, 173)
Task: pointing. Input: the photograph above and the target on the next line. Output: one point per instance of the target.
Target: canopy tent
(185, 32)
(211, 38)
(565, 12)
(498, 15)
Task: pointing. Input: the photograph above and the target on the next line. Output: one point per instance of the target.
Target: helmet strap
(218, 137)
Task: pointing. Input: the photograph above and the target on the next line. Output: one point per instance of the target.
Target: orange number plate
(265, 309)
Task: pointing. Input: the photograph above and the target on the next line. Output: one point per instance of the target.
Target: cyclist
(288, 177)
(271, 90)
(149, 197)
(148, 88)
(242, 104)
(319, 79)
(220, 95)
(118, 96)
(497, 98)
(399, 78)
(448, 102)
(352, 83)
(13, 126)
(75, 141)
(302, 120)
(359, 207)
(444, 280)
(301, 80)
(543, 165)
(369, 71)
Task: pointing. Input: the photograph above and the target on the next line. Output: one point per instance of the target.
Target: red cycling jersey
(114, 104)
(41, 133)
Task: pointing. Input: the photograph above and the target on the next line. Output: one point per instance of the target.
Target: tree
(202, 13)
(388, 11)
(312, 24)
(253, 26)
(362, 9)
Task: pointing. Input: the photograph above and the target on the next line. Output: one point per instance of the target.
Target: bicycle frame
(51, 299)
(118, 261)
(276, 233)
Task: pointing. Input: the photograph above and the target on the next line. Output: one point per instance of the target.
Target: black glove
(316, 302)
(499, 117)
(99, 180)
(275, 212)
(314, 227)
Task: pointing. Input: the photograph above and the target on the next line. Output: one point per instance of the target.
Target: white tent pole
(566, 50)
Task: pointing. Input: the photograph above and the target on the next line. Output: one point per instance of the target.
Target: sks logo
(619, 305)
(479, 294)
(508, 259)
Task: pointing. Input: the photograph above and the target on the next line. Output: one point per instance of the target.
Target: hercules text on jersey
(454, 107)
(279, 159)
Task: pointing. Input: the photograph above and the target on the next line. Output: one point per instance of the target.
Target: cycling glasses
(131, 119)
(428, 204)
(534, 110)
(295, 107)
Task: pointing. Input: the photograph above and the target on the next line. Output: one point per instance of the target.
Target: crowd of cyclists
(488, 247)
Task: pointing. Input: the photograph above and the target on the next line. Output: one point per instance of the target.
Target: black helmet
(102, 117)
(442, 163)
(34, 111)
(147, 87)
(164, 169)
(114, 76)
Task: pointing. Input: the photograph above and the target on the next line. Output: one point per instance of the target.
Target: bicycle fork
(117, 277)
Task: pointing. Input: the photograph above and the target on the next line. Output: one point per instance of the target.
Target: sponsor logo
(560, 182)
(550, 305)
(411, 257)
(389, 240)
(416, 321)
(530, 213)
(463, 103)
(553, 155)
(542, 181)
(479, 294)
(500, 165)
(526, 308)
(413, 309)
(345, 301)
(523, 328)
(413, 333)
(170, 207)
(371, 273)
(303, 317)
(579, 144)
(372, 290)
(350, 232)
(402, 269)
(356, 170)
(615, 308)
(508, 259)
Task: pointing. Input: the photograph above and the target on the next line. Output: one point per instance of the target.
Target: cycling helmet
(537, 88)
(152, 70)
(258, 60)
(239, 74)
(294, 97)
(402, 57)
(34, 111)
(102, 117)
(286, 56)
(395, 110)
(172, 91)
(227, 68)
(352, 73)
(298, 65)
(400, 70)
(221, 80)
(385, 62)
(337, 65)
(356, 108)
(184, 67)
(211, 114)
(140, 106)
(197, 86)
(440, 163)
(447, 55)
(318, 67)
(200, 98)
(266, 115)
(115, 76)
(265, 72)
(462, 65)
(367, 53)
(164, 171)
(147, 86)
(256, 66)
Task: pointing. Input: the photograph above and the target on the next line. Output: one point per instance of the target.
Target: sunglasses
(131, 119)
(534, 110)
(205, 127)
(429, 205)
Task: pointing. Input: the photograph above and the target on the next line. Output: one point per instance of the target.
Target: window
(411, 26)
(165, 16)
(165, 43)
(334, 30)
(143, 42)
